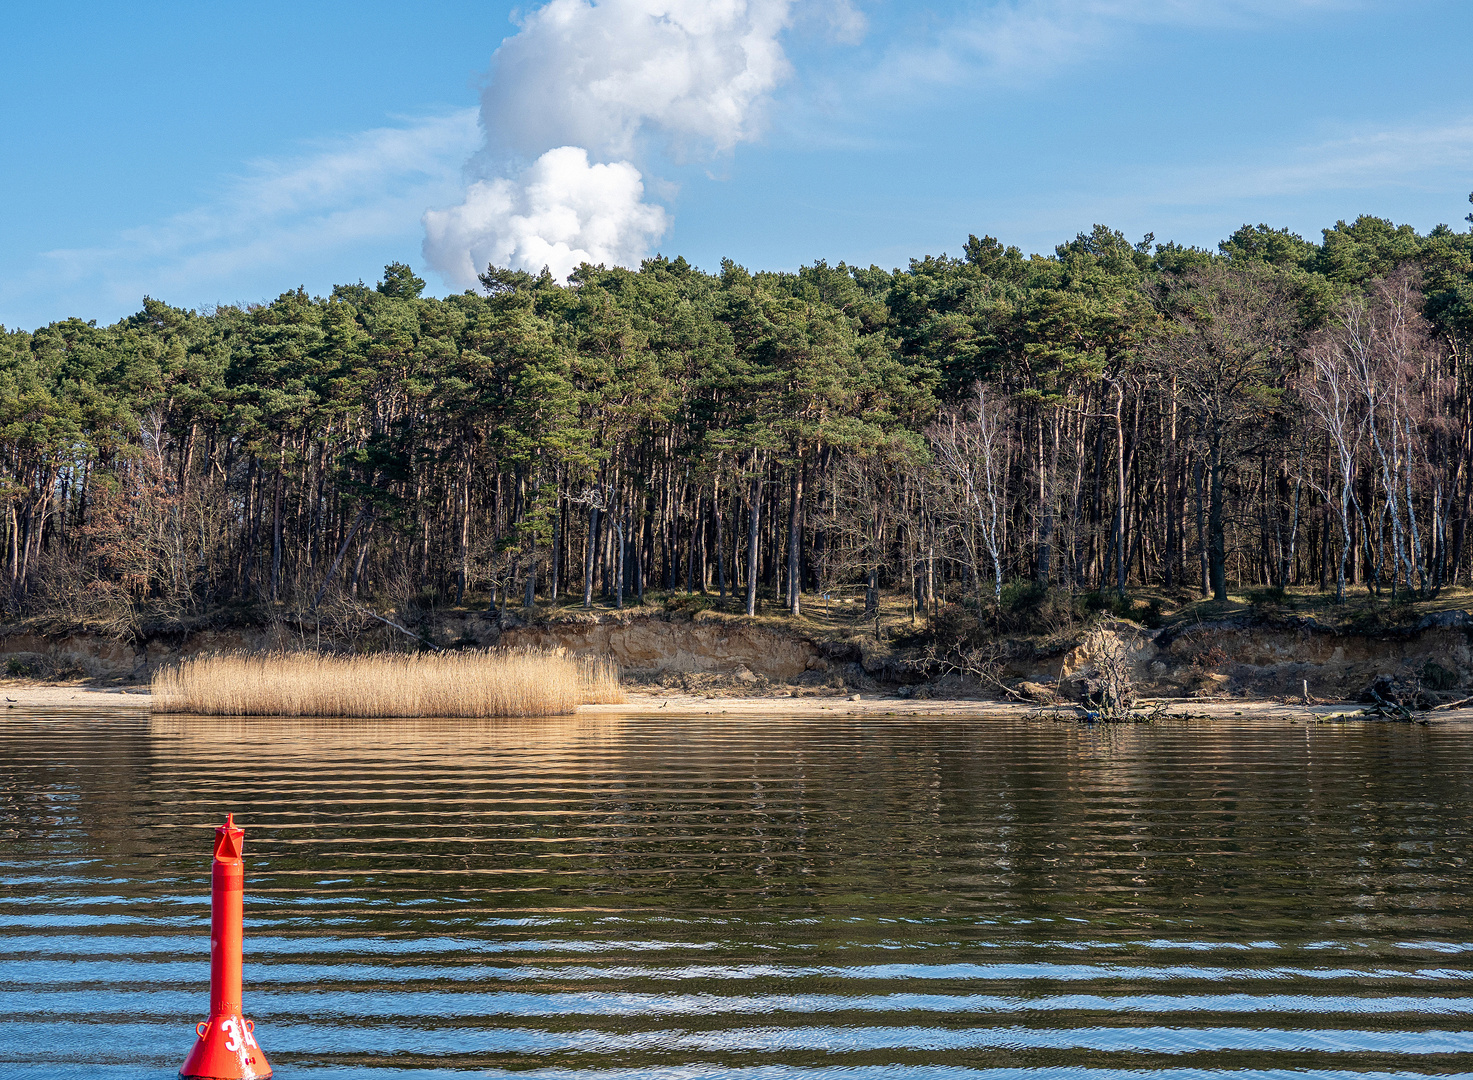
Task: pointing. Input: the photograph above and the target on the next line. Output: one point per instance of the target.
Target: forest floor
(837, 616)
(1361, 612)
(840, 615)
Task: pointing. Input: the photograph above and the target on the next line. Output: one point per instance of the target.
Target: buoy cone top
(228, 840)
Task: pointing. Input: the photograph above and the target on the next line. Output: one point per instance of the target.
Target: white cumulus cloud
(581, 92)
(559, 213)
(597, 75)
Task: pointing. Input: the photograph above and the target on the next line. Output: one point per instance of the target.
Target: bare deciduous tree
(968, 444)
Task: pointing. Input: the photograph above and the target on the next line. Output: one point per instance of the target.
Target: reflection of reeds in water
(474, 683)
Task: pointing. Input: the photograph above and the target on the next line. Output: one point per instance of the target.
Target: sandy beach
(890, 705)
(29, 695)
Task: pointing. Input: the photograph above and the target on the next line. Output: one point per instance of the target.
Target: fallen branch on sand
(1451, 705)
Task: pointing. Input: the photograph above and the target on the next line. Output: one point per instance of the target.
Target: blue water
(835, 899)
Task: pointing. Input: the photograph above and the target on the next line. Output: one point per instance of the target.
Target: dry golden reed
(473, 683)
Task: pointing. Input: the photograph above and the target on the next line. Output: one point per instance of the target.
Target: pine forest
(1275, 414)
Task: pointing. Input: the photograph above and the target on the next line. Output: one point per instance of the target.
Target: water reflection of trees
(411, 826)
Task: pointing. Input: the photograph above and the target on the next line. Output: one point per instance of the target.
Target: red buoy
(226, 1048)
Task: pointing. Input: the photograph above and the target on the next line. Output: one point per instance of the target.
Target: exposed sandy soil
(30, 695)
(79, 695)
(885, 705)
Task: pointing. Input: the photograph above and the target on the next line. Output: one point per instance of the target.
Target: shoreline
(26, 696)
(78, 695)
(679, 704)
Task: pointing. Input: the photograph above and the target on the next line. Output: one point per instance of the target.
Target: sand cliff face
(680, 646)
(1245, 656)
(642, 643)
(100, 656)
(1264, 658)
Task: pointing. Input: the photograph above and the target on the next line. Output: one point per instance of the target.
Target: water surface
(750, 897)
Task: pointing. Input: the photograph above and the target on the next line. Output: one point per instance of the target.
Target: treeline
(1275, 413)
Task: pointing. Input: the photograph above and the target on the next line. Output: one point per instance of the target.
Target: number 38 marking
(236, 1032)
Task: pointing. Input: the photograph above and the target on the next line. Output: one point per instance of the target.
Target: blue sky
(172, 150)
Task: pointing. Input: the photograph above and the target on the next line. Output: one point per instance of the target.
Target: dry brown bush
(473, 683)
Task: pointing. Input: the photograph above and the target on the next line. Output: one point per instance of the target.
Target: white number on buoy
(231, 1028)
(249, 1038)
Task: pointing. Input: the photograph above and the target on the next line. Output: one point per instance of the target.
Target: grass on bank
(471, 683)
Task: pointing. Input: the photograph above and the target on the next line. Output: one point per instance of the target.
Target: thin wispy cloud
(1435, 156)
(351, 191)
(1416, 155)
(1006, 40)
(1204, 202)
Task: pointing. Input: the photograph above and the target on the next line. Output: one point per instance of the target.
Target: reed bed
(472, 683)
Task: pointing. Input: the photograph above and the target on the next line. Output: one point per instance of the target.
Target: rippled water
(764, 898)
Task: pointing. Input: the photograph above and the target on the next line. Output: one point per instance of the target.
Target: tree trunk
(463, 571)
(690, 556)
(1120, 538)
(1043, 557)
(558, 529)
(1201, 526)
(364, 517)
(720, 541)
(276, 530)
(795, 533)
(619, 569)
(754, 503)
(1217, 538)
(588, 557)
(358, 566)
(1172, 497)
(529, 594)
